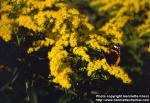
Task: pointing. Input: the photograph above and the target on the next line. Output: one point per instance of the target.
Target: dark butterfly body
(113, 58)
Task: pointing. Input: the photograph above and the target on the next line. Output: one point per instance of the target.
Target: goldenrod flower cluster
(120, 7)
(113, 28)
(98, 42)
(36, 45)
(5, 7)
(124, 18)
(66, 32)
(81, 51)
(58, 68)
(116, 71)
(5, 28)
(73, 39)
(27, 22)
(62, 78)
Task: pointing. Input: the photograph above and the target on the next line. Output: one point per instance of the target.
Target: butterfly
(113, 58)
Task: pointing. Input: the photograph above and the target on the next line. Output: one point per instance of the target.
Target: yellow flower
(5, 32)
(63, 29)
(109, 5)
(26, 10)
(95, 45)
(5, 6)
(63, 40)
(89, 26)
(76, 21)
(116, 71)
(56, 61)
(36, 45)
(27, 22)
(48, 42)
(95, 65)
(40, 5)
(58, 68)
(81, 51)
(99, 38)
(30, 50)
(54, 51)
(5, 28)
(73, 11)
(60, 16)
(62, 78)
(73, 39)
(113, 28)
(40, 18)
